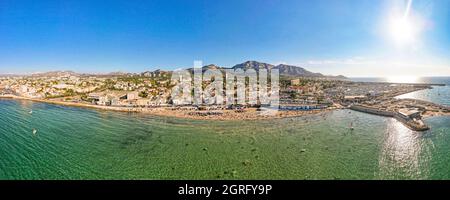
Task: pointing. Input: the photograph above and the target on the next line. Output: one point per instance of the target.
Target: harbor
(409, 118)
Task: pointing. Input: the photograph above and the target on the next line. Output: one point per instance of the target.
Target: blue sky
(346, 37)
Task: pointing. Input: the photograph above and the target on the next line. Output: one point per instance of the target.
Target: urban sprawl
(150, 92)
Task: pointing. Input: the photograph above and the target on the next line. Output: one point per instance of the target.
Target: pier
(415, 124)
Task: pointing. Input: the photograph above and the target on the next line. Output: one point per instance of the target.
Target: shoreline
(225, 115)
(212, 115)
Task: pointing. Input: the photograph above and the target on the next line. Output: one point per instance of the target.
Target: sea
(77, 143)
(438, 94)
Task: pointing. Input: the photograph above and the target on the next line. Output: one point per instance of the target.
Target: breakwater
(416, 125)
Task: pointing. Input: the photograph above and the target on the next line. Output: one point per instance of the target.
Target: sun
(402, 30)
(402, 79)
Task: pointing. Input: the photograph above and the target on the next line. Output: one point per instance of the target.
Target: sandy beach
(222, 115)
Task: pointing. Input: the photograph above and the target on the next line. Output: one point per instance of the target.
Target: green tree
(143, 94)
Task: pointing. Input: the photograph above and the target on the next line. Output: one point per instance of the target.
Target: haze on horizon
(354, 38)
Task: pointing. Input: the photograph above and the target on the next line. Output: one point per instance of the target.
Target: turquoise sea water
(77, 143)
(439, 94)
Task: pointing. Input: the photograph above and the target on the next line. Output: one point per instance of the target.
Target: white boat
(31, 112)
(34, 131)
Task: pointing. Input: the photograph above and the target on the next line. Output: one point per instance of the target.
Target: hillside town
(151, 92)
(150, 89)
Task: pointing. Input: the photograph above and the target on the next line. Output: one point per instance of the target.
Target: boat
(34, 131)
(351, 126)
(31, 112)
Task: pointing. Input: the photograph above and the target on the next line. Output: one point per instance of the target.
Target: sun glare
(402, 79)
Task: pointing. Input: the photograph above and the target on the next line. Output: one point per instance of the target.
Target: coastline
(226, 115)
(211, 115)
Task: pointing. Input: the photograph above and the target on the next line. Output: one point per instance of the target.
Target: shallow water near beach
(78, 143)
